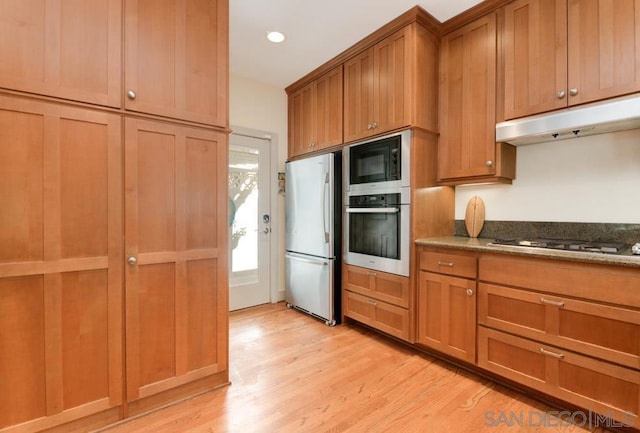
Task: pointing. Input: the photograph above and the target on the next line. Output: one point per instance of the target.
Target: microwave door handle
(373, 210)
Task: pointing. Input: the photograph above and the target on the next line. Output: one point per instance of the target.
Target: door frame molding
(274, 205)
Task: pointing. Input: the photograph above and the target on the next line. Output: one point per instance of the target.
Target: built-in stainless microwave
(379, 163)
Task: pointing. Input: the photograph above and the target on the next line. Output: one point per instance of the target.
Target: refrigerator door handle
(325, 208)
(373, 210)
(310, 261)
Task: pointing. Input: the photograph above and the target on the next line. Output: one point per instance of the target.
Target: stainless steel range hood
(589, 119)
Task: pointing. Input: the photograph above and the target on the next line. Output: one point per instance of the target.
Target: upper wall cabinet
(467, 151)
(392, 85)
(72, 47)
(176, 59)
(566, 52)
(315, 114)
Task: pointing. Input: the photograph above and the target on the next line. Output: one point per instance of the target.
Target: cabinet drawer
(386, 317)
(449, 263)
(605, 331)
(607, 389)
(609, 284)
(385, 287)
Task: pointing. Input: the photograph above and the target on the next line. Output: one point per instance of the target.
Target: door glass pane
(243, 205)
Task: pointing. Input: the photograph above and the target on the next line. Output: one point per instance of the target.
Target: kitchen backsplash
(627, 233)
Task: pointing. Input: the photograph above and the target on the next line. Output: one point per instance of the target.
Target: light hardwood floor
(291, 373)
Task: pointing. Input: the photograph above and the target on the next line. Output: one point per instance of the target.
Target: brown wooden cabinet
(570, 330)
(602, 387)
(60, 264)
(69, 49)
(446, 305)
(315, 114)
(180, 71)
(566, 52)
(392, 85)
(467, 150)
(63, 305)
(378, 299)
(176, 277)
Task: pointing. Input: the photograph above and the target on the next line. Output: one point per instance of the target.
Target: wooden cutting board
(474, 216)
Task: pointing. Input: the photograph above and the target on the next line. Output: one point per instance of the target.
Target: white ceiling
(316, 31)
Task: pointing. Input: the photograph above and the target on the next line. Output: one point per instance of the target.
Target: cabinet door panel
(64, 167)
(447, 314)
(22, 368)
(175, 228)
(358, 96)
(176, 59)
(328, 109)
(535, 53)
(73, 49)
(604, 48)
(468, 92)
(393, 89)
(85, 336)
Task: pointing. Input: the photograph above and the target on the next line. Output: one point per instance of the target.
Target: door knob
(132, 260)
(266, 230)
(131, 94)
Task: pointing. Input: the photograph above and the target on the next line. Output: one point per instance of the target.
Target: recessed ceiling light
(275, 37)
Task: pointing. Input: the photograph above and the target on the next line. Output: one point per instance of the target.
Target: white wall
(260, 106)
(592, 179)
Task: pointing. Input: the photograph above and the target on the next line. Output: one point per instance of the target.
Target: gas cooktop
(565, 244)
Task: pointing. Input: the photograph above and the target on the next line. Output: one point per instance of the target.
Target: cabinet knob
(573, 91)
(469, 292)
(374, 125)
(131, 94)
(489, 163)
(132, 260)
(369, 126)
(560, 94)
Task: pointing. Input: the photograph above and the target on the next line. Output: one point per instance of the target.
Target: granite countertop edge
(481, 244)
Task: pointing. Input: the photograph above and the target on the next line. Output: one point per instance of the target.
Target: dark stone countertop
(482, 245)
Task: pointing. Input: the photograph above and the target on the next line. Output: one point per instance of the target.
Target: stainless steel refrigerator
(313, 236)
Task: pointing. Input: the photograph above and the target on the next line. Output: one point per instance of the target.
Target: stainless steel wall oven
(377, 203)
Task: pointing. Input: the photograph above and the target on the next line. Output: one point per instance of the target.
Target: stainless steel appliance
(377, 203)
(379, 164)
(313, 233)
(565, 244)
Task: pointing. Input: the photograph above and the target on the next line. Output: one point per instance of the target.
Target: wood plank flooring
(291, 373)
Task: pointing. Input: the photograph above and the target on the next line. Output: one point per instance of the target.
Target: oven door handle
(373, 210)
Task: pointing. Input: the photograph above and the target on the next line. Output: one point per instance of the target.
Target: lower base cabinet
(610, 390)
(387, 318)
(377, 299)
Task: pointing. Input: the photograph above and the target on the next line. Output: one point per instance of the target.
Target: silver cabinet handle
(553, 354)
(372, 302)
(132, 260)
(374, 125)
(469, 292)
(369, 126)
(489, 163)
(550, 302)
(560, 94)
(573, 91)
(449, 264)
(131, 94)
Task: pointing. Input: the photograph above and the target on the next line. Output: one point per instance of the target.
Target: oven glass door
(375, 231)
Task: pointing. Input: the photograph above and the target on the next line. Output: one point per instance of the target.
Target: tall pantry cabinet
(113, 245)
